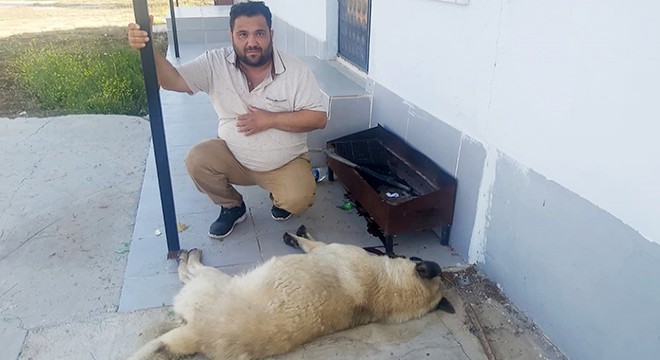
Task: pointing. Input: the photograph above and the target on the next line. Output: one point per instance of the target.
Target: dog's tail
(176, 342)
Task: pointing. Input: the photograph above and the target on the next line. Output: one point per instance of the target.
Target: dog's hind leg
(302, 232)
(302, 240)
(171, 345)
(184, 275)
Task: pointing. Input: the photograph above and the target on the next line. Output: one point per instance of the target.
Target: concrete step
(349, 104)
(200, 24)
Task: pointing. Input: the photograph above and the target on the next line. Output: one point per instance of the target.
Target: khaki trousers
(213, 168)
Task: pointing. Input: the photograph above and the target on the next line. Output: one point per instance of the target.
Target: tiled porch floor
(151, 280)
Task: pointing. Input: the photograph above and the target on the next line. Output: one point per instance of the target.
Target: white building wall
(545, 110)
(314, 20)
(567, 88)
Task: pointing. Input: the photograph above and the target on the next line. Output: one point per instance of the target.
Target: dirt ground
(51, 16)
(489, 315)
(27, 16)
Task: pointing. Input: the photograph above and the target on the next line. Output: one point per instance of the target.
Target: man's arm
(257, 120)
(168, 77)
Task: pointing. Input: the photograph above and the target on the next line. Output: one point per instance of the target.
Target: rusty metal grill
(429, 203)
(366, 152)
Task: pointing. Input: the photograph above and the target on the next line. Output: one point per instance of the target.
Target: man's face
(252, 40)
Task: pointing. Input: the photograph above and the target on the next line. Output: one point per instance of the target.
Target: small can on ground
(319, 173)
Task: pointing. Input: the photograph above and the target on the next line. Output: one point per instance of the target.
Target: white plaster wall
(306, 15)
(570, 89)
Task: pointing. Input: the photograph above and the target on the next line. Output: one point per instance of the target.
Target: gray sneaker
(228, 218)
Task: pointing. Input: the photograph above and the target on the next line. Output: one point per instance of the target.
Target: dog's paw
(302, 232)
(290, 240)
(183, 256)
(195, 254)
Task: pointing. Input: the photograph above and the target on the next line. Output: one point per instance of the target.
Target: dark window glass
(354, 26)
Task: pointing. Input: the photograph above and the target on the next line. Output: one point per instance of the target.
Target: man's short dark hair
(250, 9)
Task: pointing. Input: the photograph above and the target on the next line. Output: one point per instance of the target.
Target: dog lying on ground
(292, 299)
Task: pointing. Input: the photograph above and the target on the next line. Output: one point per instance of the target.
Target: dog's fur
(292, 299)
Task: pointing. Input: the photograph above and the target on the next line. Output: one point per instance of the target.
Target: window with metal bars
(354, 31)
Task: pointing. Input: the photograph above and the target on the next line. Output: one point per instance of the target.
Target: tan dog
(292, 299)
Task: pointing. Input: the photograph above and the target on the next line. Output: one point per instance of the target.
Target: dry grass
(71, 14)
(63, 23)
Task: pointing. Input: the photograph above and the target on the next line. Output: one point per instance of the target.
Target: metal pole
(158, 132)
(175, 36)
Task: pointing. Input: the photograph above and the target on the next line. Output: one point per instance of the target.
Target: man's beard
(265, 57)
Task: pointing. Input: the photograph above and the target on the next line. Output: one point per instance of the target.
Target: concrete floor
(150, 279)
(72, 207)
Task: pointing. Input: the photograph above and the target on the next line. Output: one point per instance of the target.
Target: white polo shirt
(292, 87)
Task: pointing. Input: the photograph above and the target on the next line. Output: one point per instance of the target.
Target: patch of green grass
(90, 71)
(82, 70)
(95, 80)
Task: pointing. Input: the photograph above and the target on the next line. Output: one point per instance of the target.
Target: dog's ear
(428, 269)
(445, 306)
